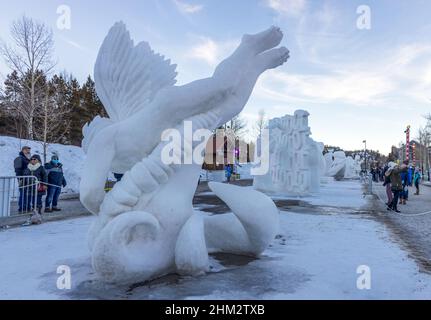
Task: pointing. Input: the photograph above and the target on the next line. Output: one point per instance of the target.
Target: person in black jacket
(35, 169)
(56, 180)
(20, 164)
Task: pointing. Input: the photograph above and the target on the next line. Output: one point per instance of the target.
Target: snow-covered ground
(316, 256)
(72, 158)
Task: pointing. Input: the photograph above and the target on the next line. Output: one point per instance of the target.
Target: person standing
(416, 180)
(228, 172)
(35, 169)
(387, 183)
(404, 195)
(20, 164)
(56, 180)
(397, 185)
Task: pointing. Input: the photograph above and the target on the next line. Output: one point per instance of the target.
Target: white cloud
(207, 50)
(401, 74)
(355, 88)
(287, 7)
(74, 44)
(187, 8)
(210, 51)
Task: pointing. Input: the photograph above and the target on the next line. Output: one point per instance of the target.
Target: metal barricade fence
(17, 195)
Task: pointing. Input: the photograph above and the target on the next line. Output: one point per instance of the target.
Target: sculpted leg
(203, 95)
(191, 254)
(98, 164)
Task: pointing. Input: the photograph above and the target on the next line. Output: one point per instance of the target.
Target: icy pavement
(321, 243)
(412, 225)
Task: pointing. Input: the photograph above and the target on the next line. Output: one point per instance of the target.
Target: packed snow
(315, 256)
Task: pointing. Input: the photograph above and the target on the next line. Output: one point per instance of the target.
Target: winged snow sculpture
(146, 226)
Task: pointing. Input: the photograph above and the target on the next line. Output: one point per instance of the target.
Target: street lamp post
(365, 155)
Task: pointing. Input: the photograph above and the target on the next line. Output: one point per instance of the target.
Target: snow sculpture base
(296, 161)
(145, 225)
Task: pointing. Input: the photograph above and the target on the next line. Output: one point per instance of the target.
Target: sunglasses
(33, 159)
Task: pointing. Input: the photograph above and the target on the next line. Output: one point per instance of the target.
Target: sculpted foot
(263, 41)
(273, 58)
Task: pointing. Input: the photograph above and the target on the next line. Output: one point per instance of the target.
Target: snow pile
(71, 157)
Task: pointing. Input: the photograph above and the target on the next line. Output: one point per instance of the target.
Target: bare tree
(260, 124)
(31, 56)
(51, 118)
(424, 134)
(238, 126)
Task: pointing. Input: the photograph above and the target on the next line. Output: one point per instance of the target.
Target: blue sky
(356, 84)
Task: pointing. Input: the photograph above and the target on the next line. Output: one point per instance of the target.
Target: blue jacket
(55, 174)
(405, 178)
(410, 176)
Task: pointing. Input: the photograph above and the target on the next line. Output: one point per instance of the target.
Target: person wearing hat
(35, 169)
(20, 164)
(56, 180)
(390, 166)
(394, 173)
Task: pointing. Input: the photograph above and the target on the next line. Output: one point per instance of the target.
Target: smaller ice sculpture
(358, 165)
(295, 160)
(338, 167)
(329, 159)
(322, 160)
(350, 171)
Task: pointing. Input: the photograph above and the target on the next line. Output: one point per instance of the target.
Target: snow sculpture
(146, 226)
(358, 165)
(295, 160)
(350, 171)
(338, 167)
(329, 159)
(322, 160)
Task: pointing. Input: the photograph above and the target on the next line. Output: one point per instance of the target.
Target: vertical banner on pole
(407, 143)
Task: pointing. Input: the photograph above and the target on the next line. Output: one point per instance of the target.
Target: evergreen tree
(74, 102)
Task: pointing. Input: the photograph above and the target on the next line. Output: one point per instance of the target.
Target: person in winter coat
(388, 184)
(404, 195)
(397, 185)
(56, 180)
(228, 172)
(35, 169)
(410, 174)
(20, 164)
(417, 179)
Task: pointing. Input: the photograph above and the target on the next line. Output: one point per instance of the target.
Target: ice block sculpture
(145, 226)
(296, 161)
